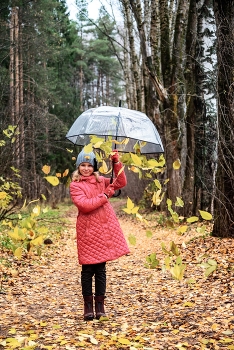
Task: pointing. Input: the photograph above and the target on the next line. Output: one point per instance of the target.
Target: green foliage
(25, 235)
(151, 261)
(210, 266)
(10, 190)
(173, 261)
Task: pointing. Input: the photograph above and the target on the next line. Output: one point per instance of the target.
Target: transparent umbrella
(119, 123)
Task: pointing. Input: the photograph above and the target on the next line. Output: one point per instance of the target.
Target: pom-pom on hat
(84, 157)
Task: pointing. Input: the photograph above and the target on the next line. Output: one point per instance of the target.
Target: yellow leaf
(134, 169)
(153, 163)
(103, 319)
(214, 326)
(98, 144)
(124, 341)
(103, 169)
(162, 161)
(188, 303)
(157, 184)
(178, 271)
(176, 164)
(88, 148)
(132, 239)
(128, 211)
(43, 324)
(156, 198)
(18, 252)
(63, 342)
(66, 172)
(179, 202)
(56, 326)
(3, 195)
(182, 229)
(192, 219)
(37, 241)
(53, 180)
(13, 343)
(130, 204)
(135, 210)
(136, 159)
(205, 215)
(46, 169)
(12, 331)
(226, 340)
(36, 210)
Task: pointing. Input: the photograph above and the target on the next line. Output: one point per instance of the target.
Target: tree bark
(223, 204)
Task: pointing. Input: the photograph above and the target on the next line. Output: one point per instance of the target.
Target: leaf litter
(42, 307)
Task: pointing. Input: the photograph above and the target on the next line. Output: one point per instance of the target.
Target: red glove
(115, 156)
(109, 191)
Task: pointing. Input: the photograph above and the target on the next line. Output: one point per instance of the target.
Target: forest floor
(42, 307)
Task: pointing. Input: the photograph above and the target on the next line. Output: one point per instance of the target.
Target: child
(99, 236)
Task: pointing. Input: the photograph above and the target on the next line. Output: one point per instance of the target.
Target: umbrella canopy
(119, 123)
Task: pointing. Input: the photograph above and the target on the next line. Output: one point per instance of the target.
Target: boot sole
(88, 318)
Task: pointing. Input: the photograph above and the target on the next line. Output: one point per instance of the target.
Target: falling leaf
(18, 252)
(46, 169)
(132, 239)
(53, 180)
(179, 202)
(182, 229)
(149, 234)
(176, 164)
(192, 219)
(66, 172)
(205, 215)
(136, 159)
(88, 148)
(3, 195)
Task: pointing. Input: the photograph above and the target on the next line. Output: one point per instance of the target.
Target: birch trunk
(133, 56)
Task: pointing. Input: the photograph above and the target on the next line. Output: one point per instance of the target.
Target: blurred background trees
(172, 60)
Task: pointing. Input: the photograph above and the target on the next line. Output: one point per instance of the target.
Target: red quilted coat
(99, 235)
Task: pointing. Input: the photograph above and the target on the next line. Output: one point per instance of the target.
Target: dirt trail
(147, 309)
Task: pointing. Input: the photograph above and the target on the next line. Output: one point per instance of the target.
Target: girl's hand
(109, 191)
(115, 156)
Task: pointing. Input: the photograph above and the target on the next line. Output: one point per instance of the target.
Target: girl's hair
(76, 176)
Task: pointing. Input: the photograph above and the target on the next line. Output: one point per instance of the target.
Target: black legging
(99, 273)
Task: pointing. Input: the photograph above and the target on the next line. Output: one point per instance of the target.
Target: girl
(99, 236)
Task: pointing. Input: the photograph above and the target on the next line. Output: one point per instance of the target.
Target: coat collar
(90, 179)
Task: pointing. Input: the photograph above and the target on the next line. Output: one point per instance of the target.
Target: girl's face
(85, 169)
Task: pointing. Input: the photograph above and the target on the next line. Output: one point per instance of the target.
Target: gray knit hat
(86, 158)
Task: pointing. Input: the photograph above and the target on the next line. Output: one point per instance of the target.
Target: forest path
(147, 309)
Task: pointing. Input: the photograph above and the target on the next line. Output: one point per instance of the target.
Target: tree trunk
(133, 56)
(223, 204)
(189, 152)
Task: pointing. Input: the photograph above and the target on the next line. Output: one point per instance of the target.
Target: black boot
(99, 306)
(88, 308)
